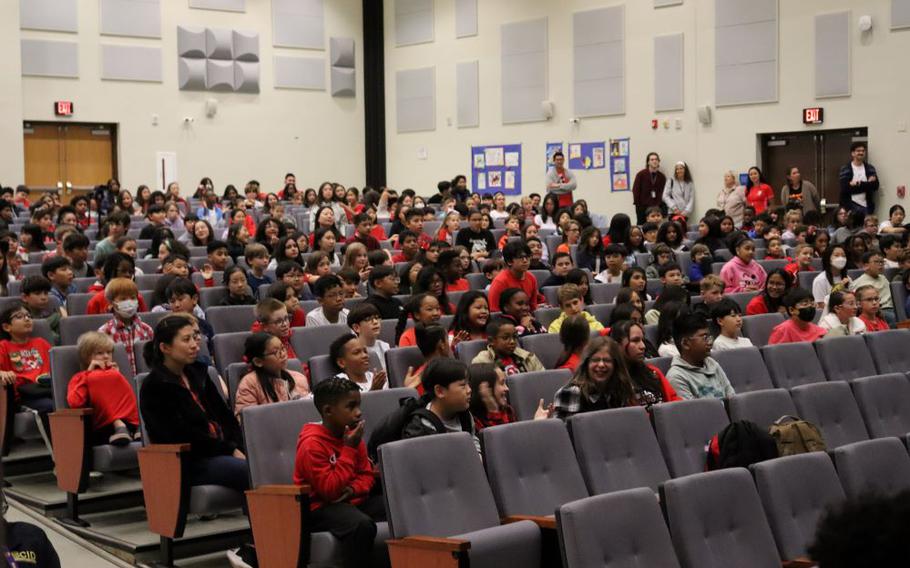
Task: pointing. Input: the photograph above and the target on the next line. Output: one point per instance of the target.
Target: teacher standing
(648, 188)
(561, 180)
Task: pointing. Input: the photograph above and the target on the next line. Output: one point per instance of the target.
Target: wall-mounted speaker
(704, 114)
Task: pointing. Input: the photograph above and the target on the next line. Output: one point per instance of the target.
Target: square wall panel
(219, 44)
(219, 75)
(343, 82)
(131, 18)
(50, 58)
(299, 72)
(191, 74)
(190, 42)
(246, 46)
(246, 77)
(52, 15)
(341, 50)
(131, 63)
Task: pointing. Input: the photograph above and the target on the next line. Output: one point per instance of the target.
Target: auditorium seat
(662, 363)
(209, 297)
(376, 405)
(604, 293)
(761, 407)
(832, 408)
(546, 346)
(745, 369)
(683, 429)
(773, 264)
(310, 341)
(792, 364)
(742, 299)
(890, 350)
(546, 316)
(476, 280)
(398, 360)
(601, 312)
(549, 293)
(72, 327)
(467, 350)
(76, 304)
(758, 327)
(230, 319)
(899, 296)
(873, 466)
(845, 358)
(228, 349)
(884, 402)
(527, 389)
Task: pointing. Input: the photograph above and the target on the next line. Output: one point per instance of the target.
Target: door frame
(112, 127)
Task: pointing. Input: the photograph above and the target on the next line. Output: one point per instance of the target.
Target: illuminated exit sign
(813, 115)
(63, 108)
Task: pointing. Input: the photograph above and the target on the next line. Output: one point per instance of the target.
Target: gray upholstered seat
(881, 465)
(792, 364)
(73, 326)
(845, 358)
(604, 293)
(527, 389)
(77, 303)
(683, 429)
(321, 368)
(716, 519)
(310, 341)
(376, 405)
(209, 297)
(662, 363)
(832, 408)
(745, 369)
(761, 407)
(623, 529)
(889, 350)
(742, 299)
(617, 450)
(208, 499)
(758, 327)
(467, 350)
(531, 467)
(884, 402)
(229, 348)
(546, 346)
(230, 319)
(795, 491)
(398, 360)
(546, 315)
(601, 312)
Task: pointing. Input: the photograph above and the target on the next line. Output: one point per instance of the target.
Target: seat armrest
(799, 563)
(71, 432)
(541, 521)
(279, 516)
(164, 469)
(422, 551)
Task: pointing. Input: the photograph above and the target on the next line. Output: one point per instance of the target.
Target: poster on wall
(552, 148)
(496, 168)
(619, 164)
(587, 155)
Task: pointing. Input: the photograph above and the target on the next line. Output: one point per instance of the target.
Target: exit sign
(63, 108)
(813, 115)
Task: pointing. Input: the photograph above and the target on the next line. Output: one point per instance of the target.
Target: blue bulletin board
(619, 164)
(496, 168)
(587, 155)
(552, 148)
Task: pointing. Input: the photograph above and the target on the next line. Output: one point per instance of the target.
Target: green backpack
(794, 436)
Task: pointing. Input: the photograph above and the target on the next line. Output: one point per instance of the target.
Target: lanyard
(10, 561)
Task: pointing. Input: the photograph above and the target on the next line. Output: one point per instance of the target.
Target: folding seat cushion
(230, 319)
(761, 407)
(845, 358)
(546, 346)
(832, 408)
(758, 327)
(527, 389)
(792, 364)
(745, 369)
(889, 350)
(683, 429)
(884, 402)
(880, 466)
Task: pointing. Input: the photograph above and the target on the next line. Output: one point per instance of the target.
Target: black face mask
(807, 314)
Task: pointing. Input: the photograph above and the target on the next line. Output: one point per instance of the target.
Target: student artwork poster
(496, 168)
(619, 164)
(587, 155)
(552, 148)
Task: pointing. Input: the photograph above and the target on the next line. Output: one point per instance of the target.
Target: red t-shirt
(572, 362)
(460, 285)
(28, 360)
(407, 339)
(759, 197)
(789, 332)
(877, 324)
(107, 393)
(757, 306)
(505, 280)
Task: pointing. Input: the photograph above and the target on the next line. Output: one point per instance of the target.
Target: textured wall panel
(415, 95)
(50, 58)
(219, 44)
(246, 46)
(598, 38)
(191, 74)
(668, 72)
(131, 63)
(299, 72)
(133, 18)
(467, 93)
(414, 22)
(298, 23)
(465, 18)
(745, 51)
(524, 70)
(832, 55)
(219, 75)
(190, 42)
(246, 77)
(53, 15)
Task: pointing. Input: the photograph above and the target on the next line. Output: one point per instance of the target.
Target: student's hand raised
(207, 271)
(353, 436)
(411, 379)
(379, 379)
(542, 412)
(463, 335)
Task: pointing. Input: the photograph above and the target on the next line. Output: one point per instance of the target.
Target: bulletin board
(619, 164)
(587, 155)
(552, 148)
(496, 168)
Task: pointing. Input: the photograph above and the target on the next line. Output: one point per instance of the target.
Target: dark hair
(857, 144)
(409, 310)
(349, 276)
(74, 241)
(671, 294)
(161, 235)
(35, 284)
(286, 266)
(118, 218)
(326, 283)
(514, 249)
(254, 347)
(376, 257)
(662, 234)
(282, 231)
(549, 198)
(797, 295)
(761, 179)
(774, 304)
(620, 227)
(279, 291)
(461, 321)
(428, 336)
(574, 335)
(478, 374)
(624, 296)
(214, 246)
(623, 312)
(165, 332)
(113, 261)
(54, 263)
(639, 371)
(442, 371)
(826, 261)
(37, 235)
(723, 308)
(379, 272)
(662, 270)
(505, 298)
(423, 283)
(558, 255)
(331, 391)
(619, 391)
(869, 254)
(627, 276)
(575, 276)
(361, 312)
(337, 350)
(6, 316)
(229, 271)
(686, 326)
(180, 287)
(313, 260)
(669, 313)
(837, 298)
(279, 253)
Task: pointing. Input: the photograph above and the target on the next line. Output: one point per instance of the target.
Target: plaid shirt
(127, 335)
(569, 400)
(505, 415)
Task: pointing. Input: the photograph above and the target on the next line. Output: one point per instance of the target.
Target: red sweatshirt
(98, 305)
(107, 393)
(505, 280)
(328, 466)
(28, 360)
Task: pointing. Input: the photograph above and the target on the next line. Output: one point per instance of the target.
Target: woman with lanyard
(561, 180)
(648, 187)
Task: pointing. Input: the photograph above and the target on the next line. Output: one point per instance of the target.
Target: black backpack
(390, 428)
(740, 444)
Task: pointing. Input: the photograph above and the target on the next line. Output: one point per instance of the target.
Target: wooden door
(780, 152)
(88, 154)
(75, 156)
(835, 152)
(44, 155)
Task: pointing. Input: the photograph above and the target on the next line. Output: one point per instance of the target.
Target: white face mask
(839, 262)
(127, 308)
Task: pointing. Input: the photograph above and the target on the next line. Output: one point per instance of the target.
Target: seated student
(601, 381)
(491, 270)
(742, 273)
(649, 383)
(515, 308)
(562, 264)
(183, 298)
(727, 326)
(672, 293)
(471, 317)
(539, 256)
(272, 317)
(413, 221)
(101, 387)
(873, 265)
(350, 281)
(269, 379)
(572, 303)
(693, 373)
(891, 250)
(317, 265)
(330, 295)
(363, 227)
(410, 247)
(283, 292)
(125, 327)
(615, 256)
(36, 297)
(238, 291)
(490, 398)
(422, 308)
(503, 350)
(433, 343)
(25, 363)
(364, 321)
(701, 263)
(176, 264)
(841, 318)
(452, 270)
(332, 460)
(351, 359)
(379, 257)
(801, 308)
(661, 255)
(218, 261)
(571, 236)
(574, 335)
(292, 273)
(870, 313)
(513, 226)
(448, 397)
(384, 284)
(75, 248)
(129, 246)
(777, 284)
(475, 238)
(155, 216)
(117, 265)
(257, 258)
(802, 260)
(635, 279)
(118, 224)
(59, 272)
(669, 313)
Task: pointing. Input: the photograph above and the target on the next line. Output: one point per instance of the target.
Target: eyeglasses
(599, 360)
(21, 315)
(275, 353)
(280, 321)
(873, 300)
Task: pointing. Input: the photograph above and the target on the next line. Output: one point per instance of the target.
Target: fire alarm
(654, 124)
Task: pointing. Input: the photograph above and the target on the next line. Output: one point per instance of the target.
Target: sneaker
(120, 437)
(243, 557)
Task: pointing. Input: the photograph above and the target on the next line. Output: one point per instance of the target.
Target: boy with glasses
(694, 373)
(874, 265)
(329, 291)
(364, 321)
(800, 305)
(870, 313)
(272, 318)
(384, 284)
(518, 260)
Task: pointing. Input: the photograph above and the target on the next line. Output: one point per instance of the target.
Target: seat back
(742, 299)
(422, 477)
(884, 402)
(467, 350)
(209, 297)
(546, 346)
(889, 350)
(229, 348)
(745, 369)
(601, 312)
(310, 341)
(604, 293)
(795, 491)
(616, 530)
(761, 407)
(717, 516)
(398, 360)
(42, 328)
(617, 450)
(792, 364)
(758, 327)
(683, 429)
(845, 358)
(376, 405)
(526, 390)
(899, 296)
(73, 326)
(832, 408)
(230, 319)
(662, 363)
(65, 363)
(76, 304)
(546, 316)
(270, 433)
(321, 368)
(879, 466)
(531, 467)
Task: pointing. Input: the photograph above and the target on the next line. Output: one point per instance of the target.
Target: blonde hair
(91, 342)
(350, 252)
(568, 292)
(265, 308)
(710, 281)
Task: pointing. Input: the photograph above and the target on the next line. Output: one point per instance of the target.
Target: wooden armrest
(166, 449)
(541, 521)
(798, 563)
(428, 551)
(280, 490)
(164, 469)
(71, 431)
(278, 517)
(433, 543)
(72, 412)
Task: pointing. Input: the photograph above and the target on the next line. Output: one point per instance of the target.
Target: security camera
(574, 120)
(188, 119)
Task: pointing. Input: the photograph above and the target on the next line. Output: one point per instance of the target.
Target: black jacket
(389, 308)
(172, 416)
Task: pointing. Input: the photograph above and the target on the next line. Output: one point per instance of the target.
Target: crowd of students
(379, 263)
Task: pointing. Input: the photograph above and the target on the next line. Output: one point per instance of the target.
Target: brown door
(76, 156)
(836, 153)
(45, 165)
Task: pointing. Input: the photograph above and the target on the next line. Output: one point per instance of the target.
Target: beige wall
(11, 164)
(880, 83)
(258, 136)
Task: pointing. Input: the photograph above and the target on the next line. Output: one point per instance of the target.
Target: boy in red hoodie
(332, 460)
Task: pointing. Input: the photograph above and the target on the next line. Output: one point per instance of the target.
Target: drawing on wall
(587, 155)
(619, 164)
(496, 168)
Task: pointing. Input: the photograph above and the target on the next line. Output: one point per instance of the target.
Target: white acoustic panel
(732, 12)
(747, 43)
(745, 51)
(599, 61)
(414, 22)
(191, 74)
(832, 55)
(665, 3)
(246, 77)
(524, 71)
(415, 95)
(900, 14)
(50, 58)
(131, 63)
(668, 72)
(467, 93)
(190, 42)
(341, 57)
(299, 72)
(53, 15)
(298, 23)
(219, 44)
(465, 18)
(343, 82)
(225, 5)
(245, 46)
(219, 75)
(738, 84)
(132, 18)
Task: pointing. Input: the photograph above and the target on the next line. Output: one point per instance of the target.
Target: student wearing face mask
(125, 327)
(801, 307)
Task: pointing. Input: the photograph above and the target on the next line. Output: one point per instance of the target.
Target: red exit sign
(813, 115)
(63, 108)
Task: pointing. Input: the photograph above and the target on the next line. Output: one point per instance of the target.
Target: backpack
(391, 426)
(794, 436)
(740, 444)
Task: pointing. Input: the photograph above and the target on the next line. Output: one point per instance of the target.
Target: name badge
(653, 194)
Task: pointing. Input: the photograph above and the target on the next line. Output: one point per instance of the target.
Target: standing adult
(459, 188)
(106, 196)
(799, 191)
(679, 193)
(732, 199)
(758, 193)
(858, 181)
(561, 180)
(648, 187)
